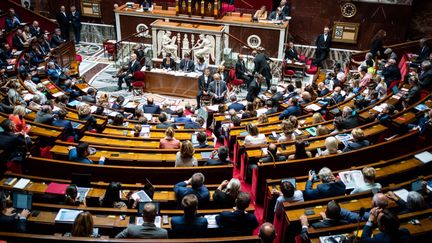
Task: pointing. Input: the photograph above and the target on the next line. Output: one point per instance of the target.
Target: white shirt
(252, 140)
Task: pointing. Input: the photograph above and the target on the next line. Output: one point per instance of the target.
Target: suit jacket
(356, 145)
(202, 85)
(13, 223)
(237, 106)
(183, 228)
(291, 54)
(34, 31)
(377, 46)
(56, 40)
(192, 125)
(222, 86)
(133, 67)
(217, 162)
(423, 54)
(171, 65)
(63, 20)
(182, 119)
(323, 92)
(144, 231)
(324, 190)
(273, 16)
(182, 190)
(240, 69)
(425, 79)
(253, 91)
(291, 110)
(269, 158)
(187, 66)
(237, 223)
(75, 19)
(262, 66)
(224, 76)
(151, 109)
(391, 73)
(67, 125)
(326, 223)
(321, 44)
(350, 122)
(223, 199)
(165, 125)
(402, 236)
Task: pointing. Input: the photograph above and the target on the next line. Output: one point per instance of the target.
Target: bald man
(150, 107)
(127, 76)
(148, 229)
(267, 233)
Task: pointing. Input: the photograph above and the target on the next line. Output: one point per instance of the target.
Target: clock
(348, 10)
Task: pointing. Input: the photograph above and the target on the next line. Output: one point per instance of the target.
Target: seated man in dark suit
(148, 229)
(349, 120)
(202, 140)
(291, 53)
(164, 123)
(133, 66)
(272, 156)
(388, 224)
(197, 124)
(276, 15)
(292, 110)
(56, 39)
(181, 118)
(189, 225)
(90, 97)
(218, 89)
(425, 78)
(150, 107)
(322, 89)
(391, 72)
(203, 84)
(329, 186)
(238, 222)
(235, 105)
(241, 71)
(187, 65)
(197, 188)
(223, 158)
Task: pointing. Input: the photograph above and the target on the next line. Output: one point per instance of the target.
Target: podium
(199, 8)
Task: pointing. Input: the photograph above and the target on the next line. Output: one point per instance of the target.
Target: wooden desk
(163, 83)
(107, 221)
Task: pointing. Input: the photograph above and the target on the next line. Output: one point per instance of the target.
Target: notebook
(56, 188)
(22, 200)
(67, 215)
(424, 157)
(22, 183)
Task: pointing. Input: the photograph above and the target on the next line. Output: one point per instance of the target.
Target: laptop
(22, 200)
(81, 180)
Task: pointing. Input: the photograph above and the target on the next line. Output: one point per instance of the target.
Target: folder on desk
(56, 188)
(424, 157)
(67, 215)
(22, 183)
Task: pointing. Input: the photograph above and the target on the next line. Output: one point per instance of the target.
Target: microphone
(362, 211)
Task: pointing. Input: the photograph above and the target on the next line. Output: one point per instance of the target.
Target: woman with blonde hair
(185, 157)
(331, 144)
(169, 141)
(317, 118)
(359, 140)
(83, 225)
(254, 137)
(263, 119)
(104, 100)
(288, 132)
(17, 117)
(84, 114)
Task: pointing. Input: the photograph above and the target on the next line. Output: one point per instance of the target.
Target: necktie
(217, 89)
(186, 66)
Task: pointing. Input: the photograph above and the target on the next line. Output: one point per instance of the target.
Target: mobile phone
(314, 175)
(165, 219)
(309, 212)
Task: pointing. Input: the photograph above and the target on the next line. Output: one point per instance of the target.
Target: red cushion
(312, 70)
(288, 72)
(78, 58)
(139, 76)
(138, 84)
(237, 82)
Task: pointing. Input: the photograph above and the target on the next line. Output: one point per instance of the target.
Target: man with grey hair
(349, 120)
(148, 229)
(197, 188)
(391, 72)
(425, 79)
(414, 202)
(235, 105)
(133, 66)
(218, 89)
(329, 187)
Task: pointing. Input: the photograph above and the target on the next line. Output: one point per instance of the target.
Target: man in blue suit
(150, 107)
(329, 187)
(388, 224)
(293, 109)
(238, 222)
(75, 20)
(189, 225)
(197, 188)
(181, 118)
(236, 105)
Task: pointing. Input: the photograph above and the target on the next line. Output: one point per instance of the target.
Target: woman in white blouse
(254, 136)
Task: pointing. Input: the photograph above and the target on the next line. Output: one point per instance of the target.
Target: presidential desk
(171, 83)
(272, 36)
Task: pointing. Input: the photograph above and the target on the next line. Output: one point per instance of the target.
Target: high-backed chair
(138, 84)
(235, 82)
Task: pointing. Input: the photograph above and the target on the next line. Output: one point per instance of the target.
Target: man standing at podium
(133, 66)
